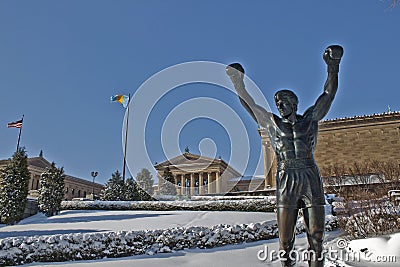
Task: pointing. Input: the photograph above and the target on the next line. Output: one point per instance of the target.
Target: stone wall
(79, 188)
(359, 139)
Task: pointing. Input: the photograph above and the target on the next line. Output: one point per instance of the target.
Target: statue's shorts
(299, 184)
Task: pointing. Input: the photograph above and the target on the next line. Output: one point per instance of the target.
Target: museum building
(74, 187)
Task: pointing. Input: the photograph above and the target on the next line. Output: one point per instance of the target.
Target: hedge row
(90, 246)
(253, 205)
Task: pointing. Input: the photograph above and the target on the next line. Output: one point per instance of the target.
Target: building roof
(365, 119)
(355, 121)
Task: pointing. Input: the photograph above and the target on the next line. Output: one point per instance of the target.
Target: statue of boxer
(293, 138)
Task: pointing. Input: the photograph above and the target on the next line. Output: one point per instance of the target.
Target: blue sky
(60, 61)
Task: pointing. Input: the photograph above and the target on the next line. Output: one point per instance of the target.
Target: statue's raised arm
(332, 57)
(262, 117)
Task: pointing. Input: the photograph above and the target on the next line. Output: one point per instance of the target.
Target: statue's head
(286, 101)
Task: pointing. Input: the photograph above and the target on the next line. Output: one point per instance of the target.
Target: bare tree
(335, 177)
(368, 211)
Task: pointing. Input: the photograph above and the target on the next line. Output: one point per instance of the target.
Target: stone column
(175, 183)
(269, 182)
(209, 187)
(201, 183)
(192, 185)
(159, 176)
(268, 159)
(182, 184)
(217, 183)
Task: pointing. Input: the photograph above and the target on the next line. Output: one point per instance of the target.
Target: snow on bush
(374, 222)
(87, 246)
(170, 197)
(331, 223)
(260, 205)
(366, 218)
(208, 198)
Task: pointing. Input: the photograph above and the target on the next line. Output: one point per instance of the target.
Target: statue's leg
(287, 218)
(314, 218)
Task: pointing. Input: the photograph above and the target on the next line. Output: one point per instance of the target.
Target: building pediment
(189, 162)
(36, 162)
(39, 162)
(187, 159)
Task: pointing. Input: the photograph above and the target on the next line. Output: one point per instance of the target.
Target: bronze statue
(293, 138)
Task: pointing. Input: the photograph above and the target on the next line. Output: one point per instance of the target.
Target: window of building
(73, 191)
(37, 184)
(79, 193)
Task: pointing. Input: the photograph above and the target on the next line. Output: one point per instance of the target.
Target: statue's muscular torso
(294, 140)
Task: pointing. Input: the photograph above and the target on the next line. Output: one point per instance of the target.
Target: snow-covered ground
(81, 221)
(247, 254)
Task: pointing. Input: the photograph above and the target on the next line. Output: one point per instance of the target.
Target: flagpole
(126, 139)
(20, 130)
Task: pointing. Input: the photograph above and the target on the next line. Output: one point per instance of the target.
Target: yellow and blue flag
(122, 99)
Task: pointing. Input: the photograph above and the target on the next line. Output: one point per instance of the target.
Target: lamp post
(94, 174)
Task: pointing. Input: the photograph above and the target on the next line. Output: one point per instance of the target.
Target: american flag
(16, 124)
